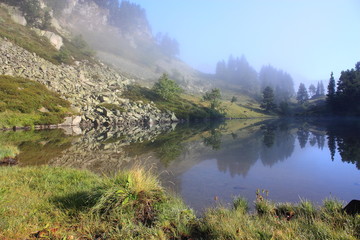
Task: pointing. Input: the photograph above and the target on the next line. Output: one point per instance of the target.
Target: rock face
(54, 39)
(15, 14)
(91, 88)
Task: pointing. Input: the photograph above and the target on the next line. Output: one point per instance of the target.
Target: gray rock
(76, 121)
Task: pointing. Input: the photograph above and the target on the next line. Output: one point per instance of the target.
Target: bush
(167, 88)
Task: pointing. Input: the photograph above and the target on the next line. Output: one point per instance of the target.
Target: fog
(308, 39)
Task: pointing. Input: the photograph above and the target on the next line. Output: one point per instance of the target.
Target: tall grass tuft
(240, 204)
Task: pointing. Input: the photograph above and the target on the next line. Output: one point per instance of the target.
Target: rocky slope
(89, 87)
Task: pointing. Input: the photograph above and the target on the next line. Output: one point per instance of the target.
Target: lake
(210, 163)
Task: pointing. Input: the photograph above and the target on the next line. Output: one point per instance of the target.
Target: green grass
(190, 107)
(182, 107)
(21, 101)
(280, 221)
(70, 204)
(59, 203)
(8, 151)
(243, 108)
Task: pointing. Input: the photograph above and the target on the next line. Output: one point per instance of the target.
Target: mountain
(100, 56)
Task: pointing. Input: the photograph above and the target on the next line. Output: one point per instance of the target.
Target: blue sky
(307, 38)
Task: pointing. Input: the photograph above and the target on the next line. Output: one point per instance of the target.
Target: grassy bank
(25, 102)
(60, 203)
(189, 107)
(57, 203)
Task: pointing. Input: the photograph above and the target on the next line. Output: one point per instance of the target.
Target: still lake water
(293, 160)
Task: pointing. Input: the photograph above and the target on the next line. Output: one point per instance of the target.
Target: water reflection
(345, 139)
(206, 159)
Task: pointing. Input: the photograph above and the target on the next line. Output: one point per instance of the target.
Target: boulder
(353, 207)
(76, 121)
(54, 39)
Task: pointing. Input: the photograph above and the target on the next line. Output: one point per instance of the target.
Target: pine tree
(302, 94)
(268, 102)
(331, 89)
(312, 90)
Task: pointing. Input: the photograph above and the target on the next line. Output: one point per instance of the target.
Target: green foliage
(302, 95)
(331, 90)
(214, 140)
(23, 98)
(167, 88)
(280, 81)
(213, 96)
(234, 99)
(241, 204)
(32, 11)
(345, 101)
(71, 204)
(34, 15)
(131, 205)
(268, 101)
(183, 109)
(8, 151)
(283, 222)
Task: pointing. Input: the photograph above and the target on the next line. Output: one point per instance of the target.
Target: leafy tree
(167, 88)
(234, 99)
(268, 101)
(31, 10)
(312, 90)
(302, 94)
(213, 96)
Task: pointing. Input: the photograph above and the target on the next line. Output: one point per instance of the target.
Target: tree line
(344, 96)
(237, 71)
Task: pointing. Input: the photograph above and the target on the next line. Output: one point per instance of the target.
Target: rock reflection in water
(206, 159)
(102, 150)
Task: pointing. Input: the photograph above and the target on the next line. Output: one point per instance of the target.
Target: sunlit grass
(21, 100)
(58, 203)
(8, 151)
(63, 203)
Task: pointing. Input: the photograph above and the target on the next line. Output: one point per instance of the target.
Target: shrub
(167, 88)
